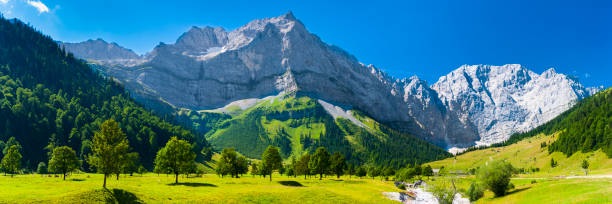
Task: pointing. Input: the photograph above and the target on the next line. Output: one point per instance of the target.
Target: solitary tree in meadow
(338, 164)
(176, 157)
(496, 176)
(271, 160)
(12, 160)
(63, 160)
(108, 147)
(319, 162)
(585, 166)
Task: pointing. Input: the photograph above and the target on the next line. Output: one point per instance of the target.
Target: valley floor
(153, 188)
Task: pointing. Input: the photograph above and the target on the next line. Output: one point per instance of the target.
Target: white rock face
(502, 100)
(209, 68)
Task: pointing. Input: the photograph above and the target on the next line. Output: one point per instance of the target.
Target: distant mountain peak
(289, 15)
(101, 50)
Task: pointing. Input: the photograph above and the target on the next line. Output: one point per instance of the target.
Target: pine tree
(271, 160)
(338, 164)
(319, 162)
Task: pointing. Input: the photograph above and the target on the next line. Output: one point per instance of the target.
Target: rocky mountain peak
(549, 72)
(199, 40)
(502, 100)
(103, 51)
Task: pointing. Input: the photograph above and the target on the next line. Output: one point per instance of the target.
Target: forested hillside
(588, 127)
(298, 124)
(48, 98)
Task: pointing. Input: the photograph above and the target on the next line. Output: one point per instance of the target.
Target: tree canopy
(338, 164)
(108, 148)
(319, 162)
(12, 160)
(271, 160)
(63, 160)
(176, 157)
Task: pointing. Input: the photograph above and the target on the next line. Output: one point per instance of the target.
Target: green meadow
(154, 188)
(544, 186)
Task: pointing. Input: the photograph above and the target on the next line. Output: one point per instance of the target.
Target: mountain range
(210, 72)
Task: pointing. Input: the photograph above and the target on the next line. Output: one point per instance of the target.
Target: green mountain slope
(299, 124)
(48, 98)
(588, 127)
(529, 154)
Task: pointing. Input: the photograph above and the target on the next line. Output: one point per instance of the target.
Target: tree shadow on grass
(517, 190)
(191, 184)
(291, 183)
(122, 196)
(76, 179)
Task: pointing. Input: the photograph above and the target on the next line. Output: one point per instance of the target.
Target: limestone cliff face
(502, 100)
(208, 68)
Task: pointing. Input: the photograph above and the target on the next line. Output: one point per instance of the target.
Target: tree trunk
(104, 185)
(321, 176)
(64, 176)
(338, 176)
(176, 178)
(270, 176)
(117, 177)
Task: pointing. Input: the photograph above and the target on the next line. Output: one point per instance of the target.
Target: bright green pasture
(153, 188)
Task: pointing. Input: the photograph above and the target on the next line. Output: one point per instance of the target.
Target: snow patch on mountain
(339, 112)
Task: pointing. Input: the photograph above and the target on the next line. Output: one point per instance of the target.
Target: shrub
(444, 192)
(533, 181)
(475, 192)
(496, 176)
(402, 186)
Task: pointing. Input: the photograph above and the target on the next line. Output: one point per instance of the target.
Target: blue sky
(404, 38)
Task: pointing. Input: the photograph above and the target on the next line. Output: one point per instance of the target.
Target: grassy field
(583, 190)
(529, 154)
(546, 188)
(151, 188)
(556, 191)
